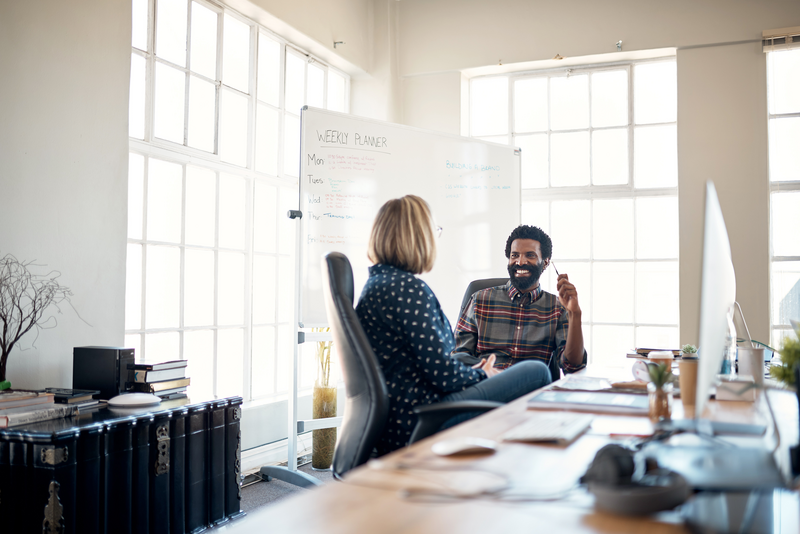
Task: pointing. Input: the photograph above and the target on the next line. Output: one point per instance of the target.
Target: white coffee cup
(751, 362)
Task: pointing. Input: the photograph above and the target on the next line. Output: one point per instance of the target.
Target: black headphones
(627, 485)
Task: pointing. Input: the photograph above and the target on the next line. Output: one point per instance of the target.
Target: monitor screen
(718, 293)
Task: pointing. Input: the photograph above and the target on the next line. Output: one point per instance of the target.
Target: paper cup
(688, 381)
(661, 356)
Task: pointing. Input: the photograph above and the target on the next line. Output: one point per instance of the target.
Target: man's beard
(525, 284)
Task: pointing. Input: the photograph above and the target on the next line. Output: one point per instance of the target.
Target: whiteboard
(350, 166)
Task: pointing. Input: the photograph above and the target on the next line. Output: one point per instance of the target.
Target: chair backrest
(366, 398)
(477, 285)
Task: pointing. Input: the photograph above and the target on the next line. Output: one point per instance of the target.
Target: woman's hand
(488, 366)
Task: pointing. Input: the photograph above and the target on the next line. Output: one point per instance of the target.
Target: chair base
(296, 478)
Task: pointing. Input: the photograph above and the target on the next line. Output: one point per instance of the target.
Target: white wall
(320, 21)
(429, 103)
(443, 35)
(722, 136)
(378, 96)
(63, 167)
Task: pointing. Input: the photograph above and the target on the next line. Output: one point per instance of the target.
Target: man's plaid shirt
(502, 321)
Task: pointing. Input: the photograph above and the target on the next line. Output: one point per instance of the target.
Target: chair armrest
(431, 417)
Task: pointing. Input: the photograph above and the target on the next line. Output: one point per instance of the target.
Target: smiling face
(525, 263)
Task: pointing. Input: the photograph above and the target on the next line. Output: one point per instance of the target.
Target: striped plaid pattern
(502, 321)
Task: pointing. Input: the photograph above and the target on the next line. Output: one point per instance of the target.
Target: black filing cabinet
(170, 469)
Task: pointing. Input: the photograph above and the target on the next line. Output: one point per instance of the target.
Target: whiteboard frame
(301, 264)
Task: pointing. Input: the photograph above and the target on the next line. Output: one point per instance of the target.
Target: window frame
(777, 330)
(285, 187)
(591, 192)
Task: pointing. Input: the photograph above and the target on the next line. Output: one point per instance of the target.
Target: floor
(261, 494)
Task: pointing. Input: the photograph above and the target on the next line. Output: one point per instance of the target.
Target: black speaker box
(103, 368)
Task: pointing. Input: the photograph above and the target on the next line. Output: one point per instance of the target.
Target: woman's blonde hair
(402, 235)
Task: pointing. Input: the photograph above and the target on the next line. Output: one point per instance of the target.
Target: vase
(660, 401)
(323, 440)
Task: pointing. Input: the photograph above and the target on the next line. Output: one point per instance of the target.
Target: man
(519, 321)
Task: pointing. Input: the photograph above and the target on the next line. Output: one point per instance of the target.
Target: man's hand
(488, 366)
(568, 295)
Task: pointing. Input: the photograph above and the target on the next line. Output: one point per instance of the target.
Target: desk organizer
(169, 469)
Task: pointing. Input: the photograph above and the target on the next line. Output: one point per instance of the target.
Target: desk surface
(371, 497)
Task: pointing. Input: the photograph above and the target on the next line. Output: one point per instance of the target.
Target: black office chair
(366, 397)
(477, 285)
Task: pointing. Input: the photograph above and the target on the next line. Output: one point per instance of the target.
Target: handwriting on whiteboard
(471, 166)
(337, 137)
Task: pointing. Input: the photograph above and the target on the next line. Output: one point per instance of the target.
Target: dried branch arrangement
(24, 299)
(323, 359)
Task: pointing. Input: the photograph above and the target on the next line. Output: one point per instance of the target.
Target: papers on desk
(589, 401)
(581, 382)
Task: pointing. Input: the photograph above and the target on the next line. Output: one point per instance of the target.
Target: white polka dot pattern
(412, 339)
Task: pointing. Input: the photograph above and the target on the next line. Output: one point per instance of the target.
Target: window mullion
(215, 354)
(143, 316)
(631, 147)
(218, 83)
(182, 278)
(248, 290)
(150, 88)
(549, 138)
(282, 113)
(252, 100)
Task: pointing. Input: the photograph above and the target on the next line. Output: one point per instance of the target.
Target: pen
(554, 268)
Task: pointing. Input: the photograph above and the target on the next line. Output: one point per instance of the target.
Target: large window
(214, 158)
(783, 81)
(599, 175)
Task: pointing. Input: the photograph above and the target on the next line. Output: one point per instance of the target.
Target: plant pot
(660, 401)
(323, 440)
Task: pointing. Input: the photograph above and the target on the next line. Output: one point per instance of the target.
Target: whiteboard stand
(290, 474)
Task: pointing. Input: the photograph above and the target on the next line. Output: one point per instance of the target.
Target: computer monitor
(717, 295)
(711, 466)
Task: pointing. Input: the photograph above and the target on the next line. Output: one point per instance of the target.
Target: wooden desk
(368, 501)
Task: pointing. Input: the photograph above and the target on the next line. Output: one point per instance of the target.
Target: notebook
(590, 401)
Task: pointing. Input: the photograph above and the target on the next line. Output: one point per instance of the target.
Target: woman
(411, 335)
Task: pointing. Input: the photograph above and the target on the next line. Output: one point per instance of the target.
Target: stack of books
(21, 407)
(644, 353)
(168, 380)
(83, 398)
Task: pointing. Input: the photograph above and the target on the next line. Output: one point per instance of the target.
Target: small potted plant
(790, 358)
(688, 351)
(659, 391)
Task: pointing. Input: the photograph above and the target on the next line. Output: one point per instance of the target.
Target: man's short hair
(402, 235)
(524, 231)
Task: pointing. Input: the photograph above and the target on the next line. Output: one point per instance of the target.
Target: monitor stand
(752, 512)
(713, 467)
